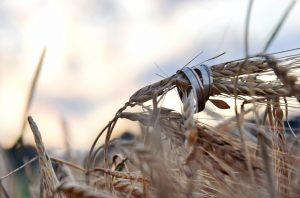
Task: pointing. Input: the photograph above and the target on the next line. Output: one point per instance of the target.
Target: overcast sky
(100, 52)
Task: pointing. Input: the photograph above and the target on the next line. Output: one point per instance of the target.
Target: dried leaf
(221, 104)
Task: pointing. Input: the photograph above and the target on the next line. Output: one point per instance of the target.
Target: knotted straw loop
(200, 79)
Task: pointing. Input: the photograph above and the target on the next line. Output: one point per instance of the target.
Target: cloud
(98, 51)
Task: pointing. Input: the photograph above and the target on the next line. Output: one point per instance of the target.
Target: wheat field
(176, 154)
(252, 154)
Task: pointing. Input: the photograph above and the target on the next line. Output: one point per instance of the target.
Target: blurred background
(100, 51)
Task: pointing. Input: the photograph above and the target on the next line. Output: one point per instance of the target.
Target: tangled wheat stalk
(218, 155)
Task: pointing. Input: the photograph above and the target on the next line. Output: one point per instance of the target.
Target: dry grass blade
(278, 26)
(70, 164)
(122, 175)
(49, 181)
(247, 27)
(31, 92)
(66, 135)
(19, 168)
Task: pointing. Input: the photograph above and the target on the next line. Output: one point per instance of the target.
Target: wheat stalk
(48, 177)
(223, 75)
(31, 94)
(219, 155)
